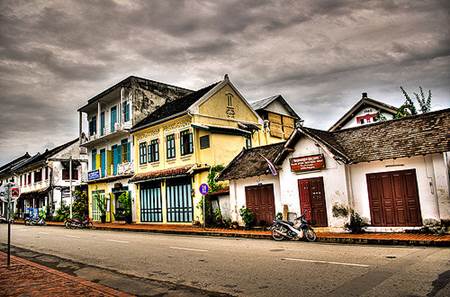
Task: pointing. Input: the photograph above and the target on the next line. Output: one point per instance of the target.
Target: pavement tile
(26, 278)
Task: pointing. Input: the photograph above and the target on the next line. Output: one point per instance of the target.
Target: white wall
(429, 169)
(352, 121)
(334, 180)
(237, 194)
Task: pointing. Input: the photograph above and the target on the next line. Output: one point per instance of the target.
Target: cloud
(320, 55)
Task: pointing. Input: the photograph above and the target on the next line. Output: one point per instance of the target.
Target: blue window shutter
(119, 154)
(128, 151)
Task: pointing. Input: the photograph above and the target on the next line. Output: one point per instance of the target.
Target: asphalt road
(248, 267)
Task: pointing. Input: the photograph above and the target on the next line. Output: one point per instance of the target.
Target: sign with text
(204, 189)
(94, 174)
(307, 163)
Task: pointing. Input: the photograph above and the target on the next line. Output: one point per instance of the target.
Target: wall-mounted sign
(125, 168)
(94, 174)
(307, 163)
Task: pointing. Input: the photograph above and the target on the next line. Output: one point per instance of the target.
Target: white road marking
(187, 249)
(119, 241)
(43, 232)
(325, 262)
(72, 236)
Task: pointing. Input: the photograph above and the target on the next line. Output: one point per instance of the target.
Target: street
(248, 267)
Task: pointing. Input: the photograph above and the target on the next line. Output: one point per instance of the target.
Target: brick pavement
(26, 278)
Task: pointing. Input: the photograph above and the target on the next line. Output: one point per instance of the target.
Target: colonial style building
(393, 173)
(44, 179)
(110, 116)
(177, 145)
(7, 175)
(279, 117)
(365, 111)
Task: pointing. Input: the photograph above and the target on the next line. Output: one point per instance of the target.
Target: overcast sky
(320, 55)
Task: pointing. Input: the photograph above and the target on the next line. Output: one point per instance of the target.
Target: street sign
(204, 189)
(15, 193)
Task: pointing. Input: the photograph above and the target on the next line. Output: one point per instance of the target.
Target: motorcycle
(299, 229)
(32, 221)
(76, 223)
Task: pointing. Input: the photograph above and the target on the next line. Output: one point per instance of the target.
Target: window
(29, 178)
(230, 99)
(102, 123)
(204, 142)
(153, 151)
(186, 143)
(37, 176)
(46, 172)
(113, 118)
(143, 153)
(125, 150)
(66, 176)
(94, 159)
(93, 125)
(248, 142)
(170, 140)
(126, 111)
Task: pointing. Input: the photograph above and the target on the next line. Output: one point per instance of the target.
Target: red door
(312, 200)
(394, 199)
(260, 200)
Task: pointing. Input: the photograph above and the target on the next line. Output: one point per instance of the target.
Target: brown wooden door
(312, 200)
(394, 199)
(261, 200)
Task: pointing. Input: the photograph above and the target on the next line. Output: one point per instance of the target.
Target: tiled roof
(172, 108)
(422, 134)
(250, 162)
(160, 174)
(6, 168)
(263, 103)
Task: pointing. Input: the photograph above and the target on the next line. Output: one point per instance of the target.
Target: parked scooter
(299, 229)
(76, 223)
(33, 221)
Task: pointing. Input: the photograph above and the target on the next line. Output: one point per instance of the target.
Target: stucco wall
(334, 180)
(431, 179)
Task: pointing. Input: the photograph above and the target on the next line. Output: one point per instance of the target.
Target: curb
(95, 287)
(337, 239)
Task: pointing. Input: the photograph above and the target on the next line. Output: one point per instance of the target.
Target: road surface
(249, 267)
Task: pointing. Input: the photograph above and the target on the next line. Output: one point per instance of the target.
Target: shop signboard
(307, 163)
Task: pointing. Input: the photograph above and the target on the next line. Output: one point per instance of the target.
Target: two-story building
(6, 175)
(44, 179)
(110, 116)
(177, 145)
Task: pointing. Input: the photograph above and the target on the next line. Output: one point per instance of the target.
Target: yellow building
(177, 144)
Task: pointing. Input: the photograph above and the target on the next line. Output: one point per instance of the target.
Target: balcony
(120, 130)
(123, 169)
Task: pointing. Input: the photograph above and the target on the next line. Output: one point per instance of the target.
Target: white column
(80, 123)
(99, 111)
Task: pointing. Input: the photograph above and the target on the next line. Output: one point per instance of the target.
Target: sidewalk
(26, 278)
(366, 238)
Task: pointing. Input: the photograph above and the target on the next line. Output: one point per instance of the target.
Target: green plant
(100, 201)
(62, 213)
(124, 212)
(80, 205)
(408, 108)
(213, 171)
(279, 216)
(356, 222)
(42, 213)
(208, 209)
(247, 216)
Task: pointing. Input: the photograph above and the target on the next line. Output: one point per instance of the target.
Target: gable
(217, 105)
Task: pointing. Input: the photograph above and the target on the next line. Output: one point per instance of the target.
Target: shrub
(247, 216)
(355, 223)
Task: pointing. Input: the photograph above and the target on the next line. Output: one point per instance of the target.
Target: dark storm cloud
(320, 55)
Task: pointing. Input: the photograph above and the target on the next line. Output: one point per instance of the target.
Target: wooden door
(312, 200)
(394, 199)
(261, 200)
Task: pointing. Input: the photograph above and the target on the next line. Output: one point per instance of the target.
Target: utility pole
(8, 217)
(70, 185)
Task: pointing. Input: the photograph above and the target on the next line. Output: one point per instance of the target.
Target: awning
(34, 194)
(162, 174)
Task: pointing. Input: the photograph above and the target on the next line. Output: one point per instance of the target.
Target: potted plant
(247, 216)
(100, 200)
(125, 202)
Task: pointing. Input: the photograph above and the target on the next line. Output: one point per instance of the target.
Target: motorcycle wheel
(90, 225)
(310, 234)
(275, 235)
(66, 224)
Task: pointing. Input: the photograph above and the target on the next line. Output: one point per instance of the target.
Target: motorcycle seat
(287, 222)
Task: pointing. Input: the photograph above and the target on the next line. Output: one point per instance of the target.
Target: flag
(272, 167)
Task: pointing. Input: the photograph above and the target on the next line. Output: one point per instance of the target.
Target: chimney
(364, 95)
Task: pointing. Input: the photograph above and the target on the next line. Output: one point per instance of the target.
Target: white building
(393, 173)
(365, 111)
(44, 179)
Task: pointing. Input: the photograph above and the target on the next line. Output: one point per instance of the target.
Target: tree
(408, 108)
